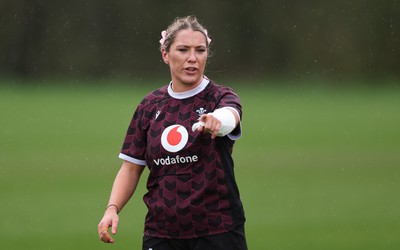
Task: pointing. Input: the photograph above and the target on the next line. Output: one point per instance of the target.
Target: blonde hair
(182, 23)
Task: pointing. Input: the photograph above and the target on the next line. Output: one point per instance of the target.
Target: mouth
(190, 70)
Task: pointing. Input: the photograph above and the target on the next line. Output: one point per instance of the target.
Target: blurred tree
(102, 38)
(22, 36)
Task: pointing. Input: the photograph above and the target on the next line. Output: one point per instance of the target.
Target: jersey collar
(189, 93)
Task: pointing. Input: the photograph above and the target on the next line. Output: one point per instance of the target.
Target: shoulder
(219, 87)
(154, 97)
(218, 91)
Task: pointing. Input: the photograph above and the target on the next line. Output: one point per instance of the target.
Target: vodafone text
(177, 159)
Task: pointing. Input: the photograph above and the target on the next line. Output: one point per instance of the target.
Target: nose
(192, 56)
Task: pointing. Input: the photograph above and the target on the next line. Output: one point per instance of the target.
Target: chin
(191, 80)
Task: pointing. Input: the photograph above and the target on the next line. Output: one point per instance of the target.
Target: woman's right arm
(124, 186)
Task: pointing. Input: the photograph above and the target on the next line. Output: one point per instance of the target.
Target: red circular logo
(174, 138)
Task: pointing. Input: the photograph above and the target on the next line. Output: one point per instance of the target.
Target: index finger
(206, 121)
(214, 133)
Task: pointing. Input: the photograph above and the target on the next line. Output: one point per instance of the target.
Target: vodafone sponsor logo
(174, 138)
(177, 159)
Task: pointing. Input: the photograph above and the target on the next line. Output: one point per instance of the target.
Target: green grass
(318, 168)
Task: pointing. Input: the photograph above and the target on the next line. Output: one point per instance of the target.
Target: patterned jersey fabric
(192, 191)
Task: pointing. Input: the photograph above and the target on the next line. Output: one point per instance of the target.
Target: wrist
(114, 207)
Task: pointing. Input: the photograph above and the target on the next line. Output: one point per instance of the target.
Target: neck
(189, 93)
(182, 87)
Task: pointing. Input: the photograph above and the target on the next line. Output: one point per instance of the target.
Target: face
(187, 59)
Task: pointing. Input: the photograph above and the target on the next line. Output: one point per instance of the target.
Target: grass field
(318, 167)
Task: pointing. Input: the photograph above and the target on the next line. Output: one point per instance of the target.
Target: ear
(165, 56)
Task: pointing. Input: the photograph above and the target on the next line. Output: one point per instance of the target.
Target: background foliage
(102, 38)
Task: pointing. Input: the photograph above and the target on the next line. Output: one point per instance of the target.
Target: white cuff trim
(236, 136)
(132, 160)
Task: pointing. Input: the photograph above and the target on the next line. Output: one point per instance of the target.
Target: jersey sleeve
(134, 146)
(231, 99)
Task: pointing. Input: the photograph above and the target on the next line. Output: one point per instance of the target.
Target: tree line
(103, 38)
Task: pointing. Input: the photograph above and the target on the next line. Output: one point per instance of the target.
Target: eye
(182, 49)
(201, 50)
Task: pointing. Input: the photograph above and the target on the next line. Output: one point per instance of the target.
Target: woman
(184, 132)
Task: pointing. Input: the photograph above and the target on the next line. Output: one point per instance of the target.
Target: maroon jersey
(191, 186)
